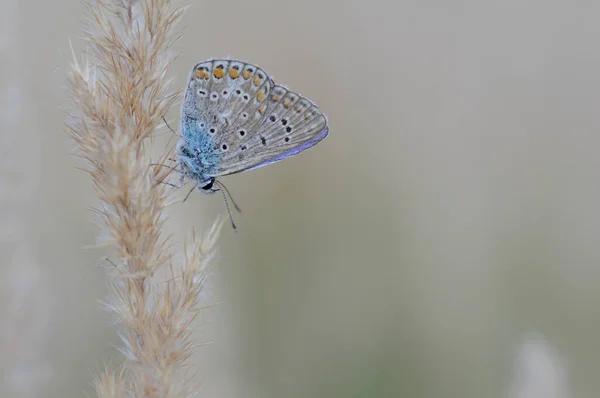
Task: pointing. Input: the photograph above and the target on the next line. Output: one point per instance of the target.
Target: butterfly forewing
(225, 94)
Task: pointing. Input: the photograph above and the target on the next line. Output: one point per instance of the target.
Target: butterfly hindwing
(292, 124)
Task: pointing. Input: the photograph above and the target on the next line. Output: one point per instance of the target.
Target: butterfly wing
(291, 124)
(224, 101)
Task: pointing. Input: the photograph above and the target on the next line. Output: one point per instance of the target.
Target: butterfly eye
(208, 186)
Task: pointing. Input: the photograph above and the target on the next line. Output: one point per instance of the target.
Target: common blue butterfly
(235, 118)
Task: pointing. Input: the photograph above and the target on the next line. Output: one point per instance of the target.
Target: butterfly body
(235, 118)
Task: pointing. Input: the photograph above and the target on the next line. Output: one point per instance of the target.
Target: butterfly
(235, 118)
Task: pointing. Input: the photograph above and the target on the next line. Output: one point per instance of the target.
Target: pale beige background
(451, 215)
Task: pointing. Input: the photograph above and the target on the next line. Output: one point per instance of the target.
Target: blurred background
(443, 241)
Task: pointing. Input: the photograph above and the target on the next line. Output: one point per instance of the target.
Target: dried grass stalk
(118, 98)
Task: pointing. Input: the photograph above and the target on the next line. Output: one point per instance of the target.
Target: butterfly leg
(189, 193)
(168, 167)
(172, 185)
(167, 124)
(174, 169)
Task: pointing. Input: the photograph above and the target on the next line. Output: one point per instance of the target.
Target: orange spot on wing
(261, 109)
(218, 73)
(260, 96)
(276, 98)
(287, 104)
(247, 74)
(256, 81)
(234, 74)
(200, 74)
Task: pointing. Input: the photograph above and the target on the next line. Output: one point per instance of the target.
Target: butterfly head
(207, 185)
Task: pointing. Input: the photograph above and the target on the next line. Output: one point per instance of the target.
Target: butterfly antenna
(220, 184)
(227, 207)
